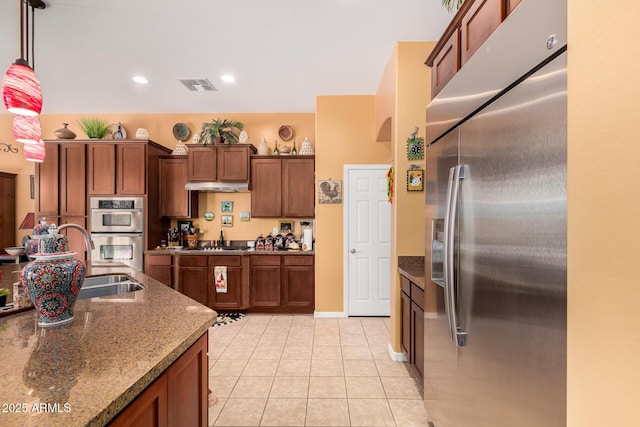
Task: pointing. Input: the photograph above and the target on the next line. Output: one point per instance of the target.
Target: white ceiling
(283, 52)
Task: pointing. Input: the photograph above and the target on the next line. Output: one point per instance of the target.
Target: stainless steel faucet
(87, 238)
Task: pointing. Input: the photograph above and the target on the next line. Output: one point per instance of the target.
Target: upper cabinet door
(73, 180)
(480, 21)
(201, 161)
(446, 64)
(101, 169)
(266, 188)
(131, 171)
(233, 163)
(47, 182)
(175, 201)
(298, 188)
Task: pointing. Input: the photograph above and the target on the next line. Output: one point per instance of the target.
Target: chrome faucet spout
(87, 237)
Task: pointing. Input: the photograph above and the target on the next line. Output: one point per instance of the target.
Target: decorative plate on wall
(181, 131)
(285, 132)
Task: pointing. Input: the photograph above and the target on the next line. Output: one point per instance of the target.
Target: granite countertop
(88, 370)
(412, 267)
(223, 252)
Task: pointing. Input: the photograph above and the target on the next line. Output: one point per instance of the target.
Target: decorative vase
(54, 281)
(306, 149)
(243, 138)
(180, 150)
(263, 148)
(65, 132)
(142, 133)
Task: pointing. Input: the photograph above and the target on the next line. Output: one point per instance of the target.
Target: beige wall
(345, 135)
(603, 383)
(160, 129)
(402, 96)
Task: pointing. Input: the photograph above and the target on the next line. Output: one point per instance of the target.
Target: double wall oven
(117, 225)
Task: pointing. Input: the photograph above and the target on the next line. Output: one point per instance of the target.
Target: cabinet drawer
(265, 260)
(228, 260)
(405, 284)
(417, 295)
(192, 260)
(298, 260)
(158, 259)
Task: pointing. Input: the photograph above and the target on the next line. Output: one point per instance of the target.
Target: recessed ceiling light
(228, 78)
(141, 80)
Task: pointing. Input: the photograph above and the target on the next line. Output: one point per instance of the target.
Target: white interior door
(367, 241)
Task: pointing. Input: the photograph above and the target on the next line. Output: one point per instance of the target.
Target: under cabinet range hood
(217, 187)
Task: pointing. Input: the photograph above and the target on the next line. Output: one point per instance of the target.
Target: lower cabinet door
(149, 409)
(417, 321)
(265, 286)
(193, 283)
(298, 286)
(232, 298)
(187, 387)
(405, 328)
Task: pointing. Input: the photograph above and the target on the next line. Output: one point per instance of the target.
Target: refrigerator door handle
(456, 174)
(448, 267)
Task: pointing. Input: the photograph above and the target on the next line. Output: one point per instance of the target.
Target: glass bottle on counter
(221, 241)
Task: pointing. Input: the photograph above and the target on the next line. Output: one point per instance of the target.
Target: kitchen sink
(108, 284)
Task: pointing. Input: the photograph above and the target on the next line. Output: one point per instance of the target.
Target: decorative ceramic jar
(180, 150)
(54, 280)
(243, 138)
(306, 149)
(263, 148)
(65, 132)
(142, 133)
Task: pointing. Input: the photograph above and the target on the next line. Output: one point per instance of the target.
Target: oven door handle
(110, 234)
(113, 211)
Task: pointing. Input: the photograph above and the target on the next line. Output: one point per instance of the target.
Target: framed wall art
(245, 216)
(185, 226)
(415, 146)
(415, 179)
(329, 191)
(226, 220)
(286, 227)
(226, 207)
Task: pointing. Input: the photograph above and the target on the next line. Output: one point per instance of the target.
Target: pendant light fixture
(34, 152)
(27, 129)
(21, 90)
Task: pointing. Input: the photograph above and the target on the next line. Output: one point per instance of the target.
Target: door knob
(353, 251)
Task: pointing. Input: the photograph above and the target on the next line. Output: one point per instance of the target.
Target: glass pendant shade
(21, 90)
(26, 129)
(34, 152)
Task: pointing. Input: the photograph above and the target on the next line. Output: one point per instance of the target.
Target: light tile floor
(284, 370)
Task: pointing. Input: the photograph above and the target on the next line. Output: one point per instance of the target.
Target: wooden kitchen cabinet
(283, 187)
(192, 277)
(298, 282)
(412, 324)
(266, 187)
(116, 169)
(478, 23)
(175, 201)
(73, 202)
(405, 316)
(46, 180)
(187, 387)
(447, 63)
(160, 267)
(219, 163)
(177, 398)
(233, 298)
(7, 209)
(264, 282)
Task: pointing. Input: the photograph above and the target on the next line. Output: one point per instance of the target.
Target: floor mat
(226, 318)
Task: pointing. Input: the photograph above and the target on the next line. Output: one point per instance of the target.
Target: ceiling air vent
(198, 85)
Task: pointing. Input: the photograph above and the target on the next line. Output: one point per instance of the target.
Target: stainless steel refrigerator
(495, 314)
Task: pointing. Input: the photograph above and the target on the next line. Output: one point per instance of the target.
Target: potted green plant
(450, 5)
(94, 127)
(220, 131)
(3, 296)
